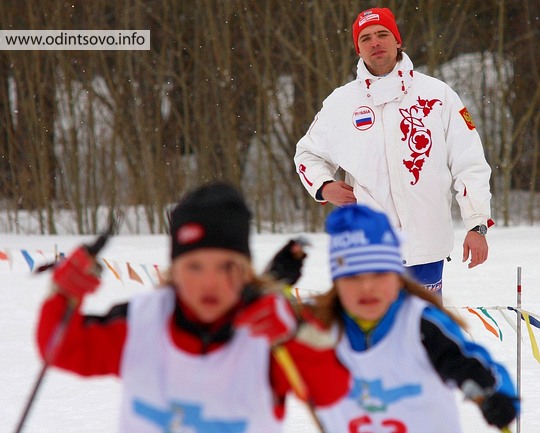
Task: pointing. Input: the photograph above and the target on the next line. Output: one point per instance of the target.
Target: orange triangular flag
(112, 269)
(133, 275)
(484, 322)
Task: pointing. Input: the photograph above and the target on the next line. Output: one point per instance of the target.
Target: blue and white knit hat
(362, 241)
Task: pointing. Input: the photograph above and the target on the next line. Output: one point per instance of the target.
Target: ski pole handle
(93, 249)
(492, 405)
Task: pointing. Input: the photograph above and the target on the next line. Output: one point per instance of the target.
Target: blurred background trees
(227, 90)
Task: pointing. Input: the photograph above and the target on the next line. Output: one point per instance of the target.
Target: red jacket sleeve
(326, 379)
(87, 345)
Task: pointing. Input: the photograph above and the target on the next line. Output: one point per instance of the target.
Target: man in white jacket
(403, 140)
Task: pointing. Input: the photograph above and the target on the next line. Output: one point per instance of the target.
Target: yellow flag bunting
(491, 325)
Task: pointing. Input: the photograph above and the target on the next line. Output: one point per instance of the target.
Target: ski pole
(56, 339)
(279, 351)
(47, 361)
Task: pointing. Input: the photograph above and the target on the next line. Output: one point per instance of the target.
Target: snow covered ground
(69, 404)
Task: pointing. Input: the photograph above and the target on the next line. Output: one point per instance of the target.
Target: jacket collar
(390, 87)
(220, 331)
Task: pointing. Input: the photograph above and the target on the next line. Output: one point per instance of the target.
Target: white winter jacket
(403, 141)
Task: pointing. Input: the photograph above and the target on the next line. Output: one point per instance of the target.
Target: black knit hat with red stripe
(214, 215)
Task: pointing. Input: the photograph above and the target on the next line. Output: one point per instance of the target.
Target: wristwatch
(481, 229)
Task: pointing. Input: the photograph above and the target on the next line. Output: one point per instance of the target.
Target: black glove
(498, 409)
(286, 265)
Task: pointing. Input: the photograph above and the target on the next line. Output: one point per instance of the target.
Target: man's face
(378, 48)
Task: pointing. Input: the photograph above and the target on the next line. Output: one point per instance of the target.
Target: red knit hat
(369, 17)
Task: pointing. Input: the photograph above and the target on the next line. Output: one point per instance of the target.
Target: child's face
(368, 296)
(209, 281)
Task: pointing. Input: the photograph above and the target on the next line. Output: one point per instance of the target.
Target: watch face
(480, 229)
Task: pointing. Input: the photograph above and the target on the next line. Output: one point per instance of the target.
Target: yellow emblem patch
(467, 118)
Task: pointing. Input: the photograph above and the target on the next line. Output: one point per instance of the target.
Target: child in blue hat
(404, 350)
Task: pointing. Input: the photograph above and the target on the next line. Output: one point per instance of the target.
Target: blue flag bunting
(28, 259)
(534, 321)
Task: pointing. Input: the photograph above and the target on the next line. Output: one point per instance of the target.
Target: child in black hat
(183, 361)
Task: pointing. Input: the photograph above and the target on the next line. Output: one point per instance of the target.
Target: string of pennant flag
(141, 273)
(154, 275)
(491, 325)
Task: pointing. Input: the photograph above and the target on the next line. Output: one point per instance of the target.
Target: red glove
(76, 275)
(271, 317)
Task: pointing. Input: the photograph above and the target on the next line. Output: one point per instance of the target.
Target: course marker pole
(518, 349)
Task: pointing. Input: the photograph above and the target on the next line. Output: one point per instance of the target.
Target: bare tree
(225, 92)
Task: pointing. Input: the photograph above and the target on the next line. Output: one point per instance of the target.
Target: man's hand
(475, 247)
(338, 193)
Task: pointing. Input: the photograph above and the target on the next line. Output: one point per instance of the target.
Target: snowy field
(68, 404)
